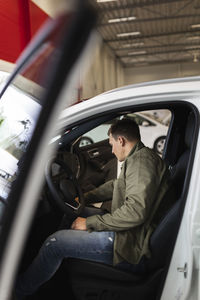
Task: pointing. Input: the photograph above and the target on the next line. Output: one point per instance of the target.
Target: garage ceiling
(150, 32)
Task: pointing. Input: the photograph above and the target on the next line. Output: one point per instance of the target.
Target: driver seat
(92, 280)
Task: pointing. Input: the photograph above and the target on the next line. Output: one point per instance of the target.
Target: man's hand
(79, 224)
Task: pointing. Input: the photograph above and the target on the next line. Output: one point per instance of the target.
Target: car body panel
(184, 266)
(186, 90)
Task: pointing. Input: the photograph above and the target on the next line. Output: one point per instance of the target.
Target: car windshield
(20, 106)
(18, 114)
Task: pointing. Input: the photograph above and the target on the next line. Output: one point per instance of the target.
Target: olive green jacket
(135, 196)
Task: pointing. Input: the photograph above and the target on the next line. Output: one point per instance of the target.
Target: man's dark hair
(126, 128)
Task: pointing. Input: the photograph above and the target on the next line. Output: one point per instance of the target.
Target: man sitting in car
(117, 238)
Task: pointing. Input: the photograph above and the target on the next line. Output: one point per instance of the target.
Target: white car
(36, 202)
(153, 133)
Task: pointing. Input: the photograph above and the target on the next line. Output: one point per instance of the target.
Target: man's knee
(59, 237)
(54, 238)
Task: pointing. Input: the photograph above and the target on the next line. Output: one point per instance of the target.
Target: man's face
(117, 147)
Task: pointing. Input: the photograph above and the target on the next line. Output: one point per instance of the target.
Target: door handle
(93, 153)
(183, 270)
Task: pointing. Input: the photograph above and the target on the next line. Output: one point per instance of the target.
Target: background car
(153, 133)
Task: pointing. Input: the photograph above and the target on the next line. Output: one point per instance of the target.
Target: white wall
(105, 73)
(142, 74)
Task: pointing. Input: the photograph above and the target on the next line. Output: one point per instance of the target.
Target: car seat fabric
(163, 238)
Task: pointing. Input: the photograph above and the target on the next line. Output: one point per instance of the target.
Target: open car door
(29, 106)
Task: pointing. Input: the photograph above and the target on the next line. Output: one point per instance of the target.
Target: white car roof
(185, 89)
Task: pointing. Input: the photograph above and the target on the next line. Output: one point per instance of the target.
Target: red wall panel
(37, 17)
(19, 20)
(9, 27)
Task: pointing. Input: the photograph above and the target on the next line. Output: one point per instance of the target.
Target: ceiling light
(125, 46)
(125, 19)
(128, 33)
(192, 47)
(100, 1)
(142, 64)
(138, 62)
(193, 37)
(132, 45)
(137, 52)
(195, 26)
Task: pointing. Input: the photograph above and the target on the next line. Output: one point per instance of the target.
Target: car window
(140, 120)
(17, 121)
(18, 115)
(20, 106)
(152, 125)
(96, 135)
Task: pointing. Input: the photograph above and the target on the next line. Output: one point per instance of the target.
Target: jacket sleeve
(103, 193)
(142, 181)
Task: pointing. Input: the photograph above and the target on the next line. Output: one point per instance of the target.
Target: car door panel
(96, 157)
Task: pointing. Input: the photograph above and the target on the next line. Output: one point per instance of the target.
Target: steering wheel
(64, 187)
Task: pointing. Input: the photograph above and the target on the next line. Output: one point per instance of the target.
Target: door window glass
(20, 106)
(153, 129)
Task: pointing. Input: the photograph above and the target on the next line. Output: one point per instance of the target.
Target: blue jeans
(94, 246)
